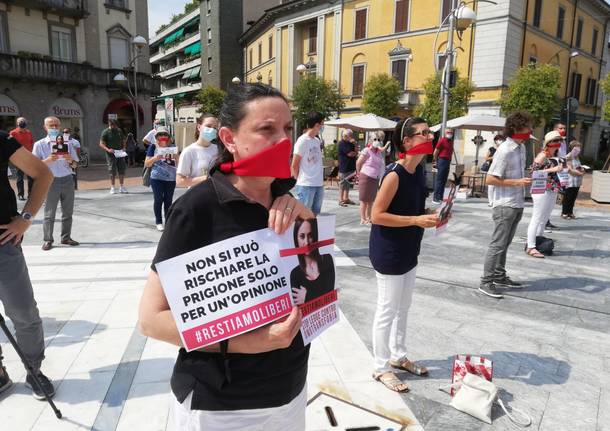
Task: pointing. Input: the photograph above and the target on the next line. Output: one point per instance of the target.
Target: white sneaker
(123, 190)
(160, 227)
(112, 191)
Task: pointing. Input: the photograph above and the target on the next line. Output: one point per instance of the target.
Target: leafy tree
(606, 89)
(533, 89)
(381, 95)
(314, 94)
(211, 99)
(459, 96)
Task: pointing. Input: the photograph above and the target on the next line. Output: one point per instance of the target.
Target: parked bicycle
(83, 158)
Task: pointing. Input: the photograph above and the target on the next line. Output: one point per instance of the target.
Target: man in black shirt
(15, 287)
(347, 165)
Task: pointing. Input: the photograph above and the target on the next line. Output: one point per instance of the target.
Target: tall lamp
(137, 43)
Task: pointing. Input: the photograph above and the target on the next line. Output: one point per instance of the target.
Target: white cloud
(161, 11)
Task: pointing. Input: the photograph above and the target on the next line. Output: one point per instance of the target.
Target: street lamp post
(137, 43)
(570, 102)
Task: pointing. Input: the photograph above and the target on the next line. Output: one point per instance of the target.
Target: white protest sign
(234, 286)
(564, 177)
(538, 182)
(119, 154)
(163, 151)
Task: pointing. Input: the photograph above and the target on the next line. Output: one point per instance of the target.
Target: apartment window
(401, 21)
(117, 3)
(360, 28)
(579, 32)
(250, 58)
(537, 12)
(260, 53)
(575, 85)
(61, 43)
(271, 47)
(441, 59)
(594, 42)
(208, 6)
(399, 72)
(209, 36)
(533, 60)
(119, 52)
(3, 32)
(313, 39)
(445, 9)
(561, 15)
(591, 91)
(209, 64)
(357, 79)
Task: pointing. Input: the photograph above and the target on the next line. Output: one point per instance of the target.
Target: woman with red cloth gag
(399, 219)
(255, 380)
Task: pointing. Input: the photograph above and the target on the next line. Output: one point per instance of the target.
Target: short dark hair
(517, 121)
(405, 129)
(233, 109)
(313, 118)
(557, 123)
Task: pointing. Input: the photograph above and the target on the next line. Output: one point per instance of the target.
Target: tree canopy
(459, 96)
(381, 95)
(211, 99)
(606, 89)
(533, 89)
(313, 94)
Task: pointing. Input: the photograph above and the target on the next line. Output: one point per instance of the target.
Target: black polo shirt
(8, 203)
(213, 211)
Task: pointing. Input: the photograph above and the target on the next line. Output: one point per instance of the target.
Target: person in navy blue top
(399, 218)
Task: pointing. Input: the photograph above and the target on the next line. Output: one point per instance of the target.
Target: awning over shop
(119, 104)
(66, 108)
(193, 49)
(172, 37)
(8, 107)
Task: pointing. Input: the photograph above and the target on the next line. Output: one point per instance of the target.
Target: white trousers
(394, 293)
(543, 207)
(289, 417)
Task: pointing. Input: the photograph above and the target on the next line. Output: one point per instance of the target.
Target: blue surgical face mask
(322, 129)
(209, 133)
(53, 133)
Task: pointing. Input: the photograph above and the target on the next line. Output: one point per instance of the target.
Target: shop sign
(66, 108)
(8, 107)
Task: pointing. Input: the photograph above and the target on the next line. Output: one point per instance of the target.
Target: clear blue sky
(161, 11)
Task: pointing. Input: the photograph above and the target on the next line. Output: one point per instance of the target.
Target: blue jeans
(163, 192)
(442, 172)
(311, 197)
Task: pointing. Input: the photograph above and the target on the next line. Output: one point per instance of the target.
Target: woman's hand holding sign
(277, 335)
(284, 211)
(299, 294)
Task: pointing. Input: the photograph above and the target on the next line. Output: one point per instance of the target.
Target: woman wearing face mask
(544, 202)
(370, 166)
(399, 219)
(198, 158)
(255, 380)
(315, 274)
(162, 173)
(576, 172)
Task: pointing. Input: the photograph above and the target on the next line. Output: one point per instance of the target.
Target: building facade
(352, 40)
(175, 58)
(61, 57)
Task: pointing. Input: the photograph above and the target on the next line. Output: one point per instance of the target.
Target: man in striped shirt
(506, 175)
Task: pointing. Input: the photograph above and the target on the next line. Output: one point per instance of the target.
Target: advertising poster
(240, 284)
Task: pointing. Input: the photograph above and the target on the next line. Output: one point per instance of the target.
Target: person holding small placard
(255, 380)
(544, 202)
(161, 158)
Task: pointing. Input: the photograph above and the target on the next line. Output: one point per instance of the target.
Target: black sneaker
(5, 380)
(490, 290)
(550, 225)
(44, 381)
(506, 281)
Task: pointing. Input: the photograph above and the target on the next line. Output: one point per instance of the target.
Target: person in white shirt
(307, 165)
(149, 139)
(198, 158)
(60, 161)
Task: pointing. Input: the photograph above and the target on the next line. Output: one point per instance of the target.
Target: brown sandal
(391, 381)
(412, 367)
(534, 253)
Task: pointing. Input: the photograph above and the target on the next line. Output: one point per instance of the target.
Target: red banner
(317, 303)
(307, 248)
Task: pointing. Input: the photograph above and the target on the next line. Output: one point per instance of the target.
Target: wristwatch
(27, 216)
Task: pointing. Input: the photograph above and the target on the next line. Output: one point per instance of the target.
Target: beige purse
(476, 397)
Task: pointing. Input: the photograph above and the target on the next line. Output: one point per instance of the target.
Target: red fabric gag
(521, 136)
(271, 162)
(423, 148)
(553, 145)
(163, 139)
(562, 133)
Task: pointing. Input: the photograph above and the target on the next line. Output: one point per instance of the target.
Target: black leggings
(569, 197)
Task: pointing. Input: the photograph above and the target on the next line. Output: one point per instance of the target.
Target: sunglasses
(426, 132)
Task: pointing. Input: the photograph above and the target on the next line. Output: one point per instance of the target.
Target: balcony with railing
(41, 70)
(69, 8)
